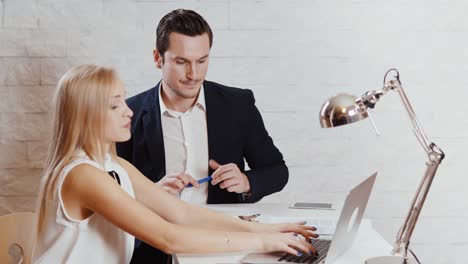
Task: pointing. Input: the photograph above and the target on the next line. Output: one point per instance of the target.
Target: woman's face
(118, 119)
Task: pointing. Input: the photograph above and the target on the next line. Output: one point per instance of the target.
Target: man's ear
(158, 59)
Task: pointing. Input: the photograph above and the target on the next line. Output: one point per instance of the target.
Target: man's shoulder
(227, 92)
(137, 101)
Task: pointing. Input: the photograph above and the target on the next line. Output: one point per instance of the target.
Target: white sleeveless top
(92, 240)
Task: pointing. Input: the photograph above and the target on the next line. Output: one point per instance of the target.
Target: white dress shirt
(186, 145)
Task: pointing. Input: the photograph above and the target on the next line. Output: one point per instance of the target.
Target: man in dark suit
(186, 128)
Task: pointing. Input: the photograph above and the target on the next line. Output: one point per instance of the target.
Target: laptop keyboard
(321, 245)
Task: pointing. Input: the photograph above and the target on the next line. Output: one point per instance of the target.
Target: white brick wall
(293, 54)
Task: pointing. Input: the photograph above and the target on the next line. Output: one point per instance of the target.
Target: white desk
(368, 242)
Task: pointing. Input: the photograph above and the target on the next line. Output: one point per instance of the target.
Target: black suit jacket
(235, 132)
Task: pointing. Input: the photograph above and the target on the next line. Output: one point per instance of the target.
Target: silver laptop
(346, 229)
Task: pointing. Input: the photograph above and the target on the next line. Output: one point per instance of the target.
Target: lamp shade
(340, 110)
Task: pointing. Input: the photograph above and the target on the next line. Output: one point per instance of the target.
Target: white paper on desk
(325, 226)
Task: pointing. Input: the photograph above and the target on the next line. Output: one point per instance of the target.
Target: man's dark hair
(183, 21)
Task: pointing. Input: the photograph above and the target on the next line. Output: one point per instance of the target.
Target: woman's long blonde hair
(81, 101)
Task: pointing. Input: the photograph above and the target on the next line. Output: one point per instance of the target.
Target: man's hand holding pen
(229, 177)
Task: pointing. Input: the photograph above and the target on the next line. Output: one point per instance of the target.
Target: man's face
(184, 65)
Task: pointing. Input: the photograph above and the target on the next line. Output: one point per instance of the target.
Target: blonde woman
(92, 203)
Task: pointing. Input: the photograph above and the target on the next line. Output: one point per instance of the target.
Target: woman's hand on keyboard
(285, 242)
(298, 228)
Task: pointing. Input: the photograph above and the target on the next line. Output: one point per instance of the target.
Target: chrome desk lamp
(344, 109)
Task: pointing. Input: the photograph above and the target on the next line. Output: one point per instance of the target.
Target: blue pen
(208, 178)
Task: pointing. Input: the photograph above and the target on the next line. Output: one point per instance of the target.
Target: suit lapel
(153, 135)
(214, 116)
(219, 127)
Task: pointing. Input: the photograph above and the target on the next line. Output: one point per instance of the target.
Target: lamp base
(389, 260)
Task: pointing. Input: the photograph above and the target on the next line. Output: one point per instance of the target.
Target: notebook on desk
(346, 229)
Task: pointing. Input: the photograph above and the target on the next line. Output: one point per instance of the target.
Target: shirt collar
(200, 103)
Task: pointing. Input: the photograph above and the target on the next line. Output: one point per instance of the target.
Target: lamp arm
(395, 84)
(435, 155)
(403, 237)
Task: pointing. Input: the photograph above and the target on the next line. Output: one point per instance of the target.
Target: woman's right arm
(176, 211)
(93, 189)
